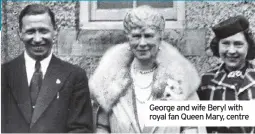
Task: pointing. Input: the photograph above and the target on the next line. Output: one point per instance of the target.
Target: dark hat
(231, 26)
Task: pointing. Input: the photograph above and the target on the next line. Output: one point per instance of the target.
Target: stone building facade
(85, 47)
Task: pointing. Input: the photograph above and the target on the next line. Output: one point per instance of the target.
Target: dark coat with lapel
(215, 85)
(63, 104)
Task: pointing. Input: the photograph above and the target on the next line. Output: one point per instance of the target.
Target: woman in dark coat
(234, 79)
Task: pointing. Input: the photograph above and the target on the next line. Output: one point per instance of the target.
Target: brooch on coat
(234, 74)
(173, 90)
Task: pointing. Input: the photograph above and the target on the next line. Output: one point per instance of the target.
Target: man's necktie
(36, 82)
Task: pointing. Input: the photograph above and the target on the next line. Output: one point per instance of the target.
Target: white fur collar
(112, 78)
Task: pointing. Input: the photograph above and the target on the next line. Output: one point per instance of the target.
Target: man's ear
(20, 34)
(55, 35)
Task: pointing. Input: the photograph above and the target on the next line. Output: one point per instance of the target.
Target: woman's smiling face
(233, 51)
(144, 42)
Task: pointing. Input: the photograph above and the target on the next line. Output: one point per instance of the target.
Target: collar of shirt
(243, 70)
(222, 69)
(221, 76)
(30, 65)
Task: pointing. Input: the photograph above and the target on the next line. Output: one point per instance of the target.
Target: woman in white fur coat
(143, 69)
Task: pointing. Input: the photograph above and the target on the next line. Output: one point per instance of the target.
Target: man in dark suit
(40, 92)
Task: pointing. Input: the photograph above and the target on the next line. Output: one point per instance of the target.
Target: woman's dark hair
(214, 45)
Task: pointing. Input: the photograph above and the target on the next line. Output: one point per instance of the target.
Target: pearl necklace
(143, 102)
(142, 73)
(144, 87)
(147, 71)
(142, 83)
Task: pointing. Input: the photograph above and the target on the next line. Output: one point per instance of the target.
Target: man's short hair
(35, 9)
(143, 16)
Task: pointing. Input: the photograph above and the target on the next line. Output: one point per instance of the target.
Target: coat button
(33, 107)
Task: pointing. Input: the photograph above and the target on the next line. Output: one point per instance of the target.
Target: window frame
(87, 22)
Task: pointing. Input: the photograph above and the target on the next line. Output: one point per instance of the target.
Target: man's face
(37, 33)
(144, 43)
(233, 51)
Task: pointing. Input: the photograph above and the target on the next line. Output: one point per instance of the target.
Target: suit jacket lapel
(19, 87)
(53, 81)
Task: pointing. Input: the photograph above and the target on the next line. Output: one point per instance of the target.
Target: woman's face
(144, 43)
(233, 51)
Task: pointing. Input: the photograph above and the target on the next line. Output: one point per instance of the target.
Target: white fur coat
(112, 77)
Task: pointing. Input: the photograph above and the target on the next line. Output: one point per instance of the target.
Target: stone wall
(85, 47)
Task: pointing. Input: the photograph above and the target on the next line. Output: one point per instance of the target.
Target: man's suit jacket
(63, 103)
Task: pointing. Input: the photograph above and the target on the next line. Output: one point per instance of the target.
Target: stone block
(195, 42)
(66, 40)
(96, 42)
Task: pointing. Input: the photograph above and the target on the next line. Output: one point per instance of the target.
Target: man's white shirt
(30, 66)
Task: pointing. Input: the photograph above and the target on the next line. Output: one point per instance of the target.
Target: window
(109, 15)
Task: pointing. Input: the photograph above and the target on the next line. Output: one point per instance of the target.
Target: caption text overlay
(199, 113)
